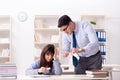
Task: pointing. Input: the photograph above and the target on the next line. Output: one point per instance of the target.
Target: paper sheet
(76, 55)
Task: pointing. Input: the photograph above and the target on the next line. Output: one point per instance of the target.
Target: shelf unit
(45, 32)
(98, 22)
(5, 39)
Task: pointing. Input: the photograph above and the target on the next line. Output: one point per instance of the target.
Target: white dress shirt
(86, 38)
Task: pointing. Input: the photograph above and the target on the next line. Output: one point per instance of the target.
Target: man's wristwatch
(79, 50)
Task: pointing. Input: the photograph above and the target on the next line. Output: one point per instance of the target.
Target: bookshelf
(5, 39)
(98, 22)
(45, 32)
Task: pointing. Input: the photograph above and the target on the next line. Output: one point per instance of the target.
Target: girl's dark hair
(64, 20)
(48, 49)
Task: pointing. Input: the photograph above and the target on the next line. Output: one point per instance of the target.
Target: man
(87, 45)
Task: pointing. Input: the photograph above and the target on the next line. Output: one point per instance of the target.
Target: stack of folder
(8, 70)
(97, 73)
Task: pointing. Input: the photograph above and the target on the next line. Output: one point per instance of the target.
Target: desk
(111, 68)
(60, 77)
(7, 78)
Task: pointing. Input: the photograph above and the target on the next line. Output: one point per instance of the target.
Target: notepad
(39, 76)
(48, 68)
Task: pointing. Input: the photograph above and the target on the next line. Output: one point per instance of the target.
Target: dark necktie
(75, 61)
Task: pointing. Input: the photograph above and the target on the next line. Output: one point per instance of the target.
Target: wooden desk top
(58, 77)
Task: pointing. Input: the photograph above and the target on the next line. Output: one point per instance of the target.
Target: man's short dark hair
(64, 20)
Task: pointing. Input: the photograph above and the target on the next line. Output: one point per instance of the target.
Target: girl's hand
(42, 70)
(55, 54)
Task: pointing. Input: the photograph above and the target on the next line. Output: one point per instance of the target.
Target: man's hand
(74, 50)
(77, 50)
(81, 50)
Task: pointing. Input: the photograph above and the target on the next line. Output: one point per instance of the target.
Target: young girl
(48, 63)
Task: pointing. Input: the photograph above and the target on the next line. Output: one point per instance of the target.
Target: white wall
(22, 34)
